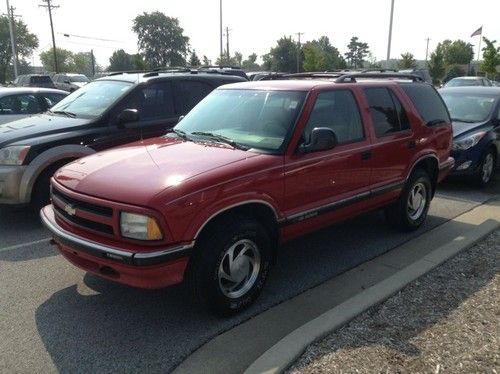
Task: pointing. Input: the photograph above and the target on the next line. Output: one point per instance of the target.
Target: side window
(154, 101)
(386, 111)
(52, 99)
(337, 110)
(19, 104)
(428, 103)
(192, 92)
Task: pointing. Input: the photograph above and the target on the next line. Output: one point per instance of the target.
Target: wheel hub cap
(488, 167)
(417, 201)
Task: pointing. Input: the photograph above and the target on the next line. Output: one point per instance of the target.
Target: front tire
(410, 211)
(230, 265)
(486, 170)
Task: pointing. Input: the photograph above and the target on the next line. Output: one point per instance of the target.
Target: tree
(491, 58)
(232, 61)
(283, 57)
(161, 39)
(407, 61)
(456, 52)
(436, 66)
(238, 57)
(26, 44)
(320, 55)
(121, 61)
(206, 61)
(357, 51)
(194, 60)
(65, 60)
(250, 63)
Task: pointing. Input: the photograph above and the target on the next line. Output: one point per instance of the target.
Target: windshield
(469, 108)
(78, 78)
(253, 119)
(92, 99)
(463, 82)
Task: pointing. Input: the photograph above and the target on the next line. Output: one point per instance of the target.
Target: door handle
(366, 155)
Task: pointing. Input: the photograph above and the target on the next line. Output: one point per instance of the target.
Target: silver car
(20, 102)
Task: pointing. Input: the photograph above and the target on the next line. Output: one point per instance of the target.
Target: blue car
(475, 113)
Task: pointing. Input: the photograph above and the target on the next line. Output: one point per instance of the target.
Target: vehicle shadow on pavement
(110, 327)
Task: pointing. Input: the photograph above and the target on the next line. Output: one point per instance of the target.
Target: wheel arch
(429, 163)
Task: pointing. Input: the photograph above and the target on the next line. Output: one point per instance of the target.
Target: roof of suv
(139, 77)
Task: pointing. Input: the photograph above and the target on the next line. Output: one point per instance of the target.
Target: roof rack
(351, 78)
(220, 67)
(326, 74)
(380, 70)
(113, 73)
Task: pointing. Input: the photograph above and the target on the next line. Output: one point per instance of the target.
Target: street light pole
(390, 35)
(427, 49)
(12, 42)
(221, 42)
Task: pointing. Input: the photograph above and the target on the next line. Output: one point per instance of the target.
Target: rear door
(393, 140)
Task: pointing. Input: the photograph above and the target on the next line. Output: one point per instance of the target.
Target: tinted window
(153, 101)
(386, 111)
(19, 104)
(52, 98)
(192, 93)
(338, 111)
(41, 79)
(427, 102)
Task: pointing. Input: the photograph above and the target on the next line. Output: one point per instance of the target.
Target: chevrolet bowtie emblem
(70, 209)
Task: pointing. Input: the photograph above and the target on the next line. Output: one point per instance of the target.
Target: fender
(421, 158)
(45, 159)
(221, 206)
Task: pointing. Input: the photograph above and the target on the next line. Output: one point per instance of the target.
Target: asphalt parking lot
(55, 317)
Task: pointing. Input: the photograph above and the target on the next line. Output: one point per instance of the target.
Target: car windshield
(469, 108)
(463, 82)
(78, 78)
(92, 99)
(250, 118)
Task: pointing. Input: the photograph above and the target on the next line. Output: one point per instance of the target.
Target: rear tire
(230, 265)
(410, 211)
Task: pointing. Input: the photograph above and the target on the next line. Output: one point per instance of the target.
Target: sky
(256, 26)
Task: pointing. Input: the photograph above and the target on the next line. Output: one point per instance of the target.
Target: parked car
(420, 72)
(253, 165)
(16, 103)
(223, 69)
(34, 80)
(475, 112)
(70, 82)
(105, 113)
(468, 81)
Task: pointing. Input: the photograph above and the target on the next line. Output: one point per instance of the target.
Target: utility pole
(10, 14)
(390, 36)
(227, 44)
(49, 7)
(92, 61)
(221, 36)
(427, 49)
(298, 50)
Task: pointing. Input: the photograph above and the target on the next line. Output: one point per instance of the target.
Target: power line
(90, 37)
(49, 7)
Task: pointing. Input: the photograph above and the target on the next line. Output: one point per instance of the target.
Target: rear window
(41, 79)
(428, 103)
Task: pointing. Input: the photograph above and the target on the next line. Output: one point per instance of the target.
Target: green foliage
(65, 60)
(26, 44)
(206, 61)
(320, 55)
(161, 39)
(456, 52)
(357, 51)
(407, 61)
(232, 61)
(250, 63)
(491, 58)
(453, 72)
(194, 59)
(436, 66)
(283, 57)
(121, 61)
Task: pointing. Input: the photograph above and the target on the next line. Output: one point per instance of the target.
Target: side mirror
(322, 139)
(180, 118)
(127, 116)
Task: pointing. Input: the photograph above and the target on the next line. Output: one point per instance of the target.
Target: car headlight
(468, 142)
(139, 226)
(13, 155)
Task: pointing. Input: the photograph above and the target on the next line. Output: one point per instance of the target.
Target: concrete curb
(282, 354)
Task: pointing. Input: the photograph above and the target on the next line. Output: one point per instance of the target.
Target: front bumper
(445, 168)
(156, 269)
(472, 157)
(10, 183)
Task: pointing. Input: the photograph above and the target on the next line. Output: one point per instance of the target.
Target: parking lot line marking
(45, 240)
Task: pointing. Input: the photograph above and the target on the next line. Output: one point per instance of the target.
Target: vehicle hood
(136, 173)
(462, 128)
(79, 84)
(36, 126)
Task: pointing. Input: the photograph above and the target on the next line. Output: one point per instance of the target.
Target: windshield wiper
(179, 133)
(67, 114)
(462, 120)
(221, 139)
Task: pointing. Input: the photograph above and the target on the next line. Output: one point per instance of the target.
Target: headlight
(13, 155)
(468, 142)
(139, 226)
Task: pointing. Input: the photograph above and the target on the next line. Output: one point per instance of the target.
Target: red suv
(253, 165)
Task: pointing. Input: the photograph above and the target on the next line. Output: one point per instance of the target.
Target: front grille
(78, 205)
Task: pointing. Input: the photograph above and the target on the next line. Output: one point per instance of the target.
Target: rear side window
(41, 79)
(388, 115)
(52, 98)
(192, 92)
(19, 104)
(428, 103)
